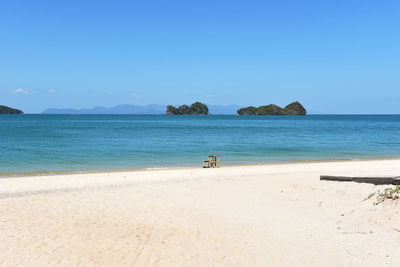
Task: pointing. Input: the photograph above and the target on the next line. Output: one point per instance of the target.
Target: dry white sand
(270, 215)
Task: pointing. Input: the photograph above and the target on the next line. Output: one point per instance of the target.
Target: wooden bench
(212, 162)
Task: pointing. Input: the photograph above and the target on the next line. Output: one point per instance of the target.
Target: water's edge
(288, 162)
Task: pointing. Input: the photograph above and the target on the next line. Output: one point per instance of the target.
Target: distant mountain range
(132, 109)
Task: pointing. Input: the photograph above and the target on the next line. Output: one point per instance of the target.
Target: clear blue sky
(333, 56)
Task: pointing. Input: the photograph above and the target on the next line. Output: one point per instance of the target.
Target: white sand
(270, 215)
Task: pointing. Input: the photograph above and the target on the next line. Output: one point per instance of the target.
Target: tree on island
(184, 109)
(8, 110)
(196, 108)
(294, 108)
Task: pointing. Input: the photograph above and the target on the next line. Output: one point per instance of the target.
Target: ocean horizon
(33, 143)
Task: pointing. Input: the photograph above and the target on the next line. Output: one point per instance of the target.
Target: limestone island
(196, 108)
(8, 110)
(294, 108)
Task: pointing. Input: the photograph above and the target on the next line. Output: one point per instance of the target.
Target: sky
(335, 57)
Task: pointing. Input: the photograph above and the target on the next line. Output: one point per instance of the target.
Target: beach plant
(392, 193)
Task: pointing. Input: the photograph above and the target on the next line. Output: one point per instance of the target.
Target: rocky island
(8, 110)
(294, 108)
(196, 108)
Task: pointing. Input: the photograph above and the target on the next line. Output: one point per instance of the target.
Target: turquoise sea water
(47, 143)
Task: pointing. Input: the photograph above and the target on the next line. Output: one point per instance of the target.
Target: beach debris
(212, 162)
(394, 180)
(354, 233)
(369, 196)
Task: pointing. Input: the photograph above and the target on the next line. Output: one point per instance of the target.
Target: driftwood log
(394, 180)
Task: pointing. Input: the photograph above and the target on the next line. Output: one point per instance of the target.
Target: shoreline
(289, 162)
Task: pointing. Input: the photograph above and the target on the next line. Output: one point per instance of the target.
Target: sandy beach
(264, 215)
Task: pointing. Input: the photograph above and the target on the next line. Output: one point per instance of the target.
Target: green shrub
(392, 193)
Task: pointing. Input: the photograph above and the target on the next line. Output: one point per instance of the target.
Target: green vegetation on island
(294, 108)
(8, 110)
(196, 108)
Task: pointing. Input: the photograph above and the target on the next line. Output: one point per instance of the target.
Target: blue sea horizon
(55, 143)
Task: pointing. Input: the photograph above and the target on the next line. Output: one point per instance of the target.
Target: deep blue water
(34, 143)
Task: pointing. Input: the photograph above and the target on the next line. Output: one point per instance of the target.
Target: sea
(65, 143)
